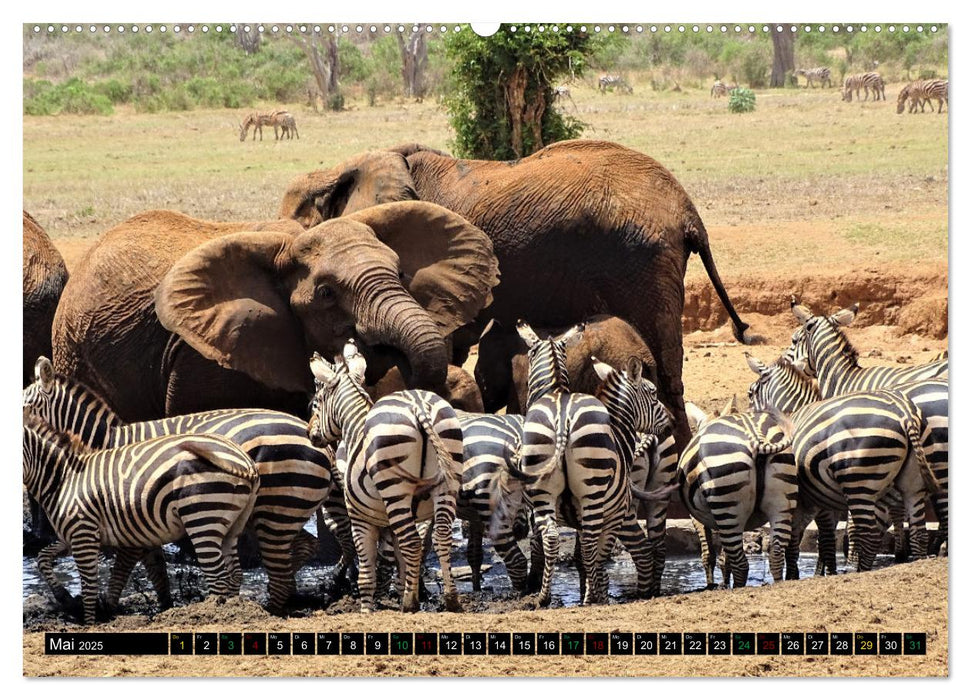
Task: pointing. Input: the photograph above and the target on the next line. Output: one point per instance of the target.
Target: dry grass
(871, 184)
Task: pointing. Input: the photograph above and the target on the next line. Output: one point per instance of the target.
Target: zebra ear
(44, 373)
(844, 317)
(324, 372)
(635, 368)
(756, 365)
(526, 333)
(602, 369)
(730, 407)
(573, 335)
(802, 313)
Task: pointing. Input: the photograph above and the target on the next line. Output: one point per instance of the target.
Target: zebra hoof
(452, 603)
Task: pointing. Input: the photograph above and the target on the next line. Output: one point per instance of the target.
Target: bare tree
(321, 50)
(414, 60)
(247, 37)
(783, 55)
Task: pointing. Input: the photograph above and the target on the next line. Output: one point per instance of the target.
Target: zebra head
(40, 395)
(547, 360)
(332, 381)
(783, 385)
(902, 99)
(630, 394)
(821, 337)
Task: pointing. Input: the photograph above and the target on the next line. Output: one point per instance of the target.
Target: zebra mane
(62, 440)
(76, 387)
(850, 353)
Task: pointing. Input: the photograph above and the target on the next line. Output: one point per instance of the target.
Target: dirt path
(903, 598)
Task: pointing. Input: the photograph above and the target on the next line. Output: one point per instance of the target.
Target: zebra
(922, 92)
(720, 89)
(383, 456)
(288, 127)
(140, 496)
(257, 120)
(584, 455)
(733, 477)
(822, 74)
(611, 82)
(867, 82)
(851, 450)
(296, 478)
(828, 355)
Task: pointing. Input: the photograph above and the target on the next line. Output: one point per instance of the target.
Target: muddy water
(315, 583)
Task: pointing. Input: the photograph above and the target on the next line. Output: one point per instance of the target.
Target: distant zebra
(288, 126)
(614, 82)
(400, 456)
(141, 496)
(851, 450)
(560, 92)
(296, 477)
(720, 89)
(922, 92)
(257, 120)
(868, 82)
(576, 459)
(733, 478)
(822, 74)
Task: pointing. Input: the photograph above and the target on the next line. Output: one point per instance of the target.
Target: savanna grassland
(836, 202)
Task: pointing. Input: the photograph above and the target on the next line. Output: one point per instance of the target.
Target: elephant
(169, 315)
(461, 390)
(580, 227)
(502, 366)
(44, 278)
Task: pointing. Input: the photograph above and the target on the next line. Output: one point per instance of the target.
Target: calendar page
(567, 349)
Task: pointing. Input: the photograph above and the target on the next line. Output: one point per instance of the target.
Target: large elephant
(44, 278)
(579, 228)
(169, 315)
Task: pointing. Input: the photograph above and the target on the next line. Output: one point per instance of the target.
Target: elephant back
(45, 275)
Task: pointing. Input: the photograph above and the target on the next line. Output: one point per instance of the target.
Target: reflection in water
(682, 574)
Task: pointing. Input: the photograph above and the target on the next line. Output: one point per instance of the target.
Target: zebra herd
(823, 439)
(280, 119)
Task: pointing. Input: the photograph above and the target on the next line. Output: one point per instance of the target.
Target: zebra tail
(547, 467)
(657, 494)
(446, 466)
(763, 447)
(232, 460)
(502, 502)
(914, 425)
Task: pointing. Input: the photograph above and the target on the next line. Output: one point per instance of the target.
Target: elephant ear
(447, 264)
(224, 300)
(371, 178)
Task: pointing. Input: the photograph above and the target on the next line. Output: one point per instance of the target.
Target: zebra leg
(708, 552)
(591, 543)
(366, 543)
(914, 505)
(735, 557)
(939, 545)
(550, 538)
(473, 553)
(865, 533)
(639, 547)
(409, 546)
(505, 545)
(537, 560)
(334, 515)
(442, 540)
(826, 543)
(86, 547)
(657, 544)
(45, 564)
(579, 564)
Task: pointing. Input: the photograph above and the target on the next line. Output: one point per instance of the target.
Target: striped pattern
(402, 456)
(734, 476)
(822, 74)
(612, 82)
(851, 450)
(655, 467)
(139, 497)
(829, 355)
(868, 82)
(288, 126)
(922, 92)
(295, 477)
(720, 89)
(257, 120)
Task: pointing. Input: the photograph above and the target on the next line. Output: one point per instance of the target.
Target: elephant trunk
(398, 321)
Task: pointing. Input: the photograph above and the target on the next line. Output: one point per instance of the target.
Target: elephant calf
(461, 391)
(44, 278)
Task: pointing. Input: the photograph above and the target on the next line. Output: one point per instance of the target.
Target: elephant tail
(697, 237)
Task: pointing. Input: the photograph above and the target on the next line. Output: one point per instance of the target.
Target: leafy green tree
(501, 101)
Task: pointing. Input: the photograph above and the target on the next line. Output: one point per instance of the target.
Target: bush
(741, 100)
(43, 98)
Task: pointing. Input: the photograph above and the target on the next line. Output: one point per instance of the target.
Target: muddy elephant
(502, 365)
(579, 228)
(44, 278)
(168, 314)
(461, 391)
